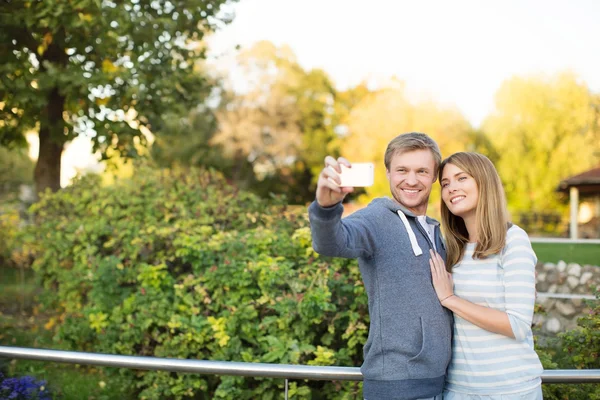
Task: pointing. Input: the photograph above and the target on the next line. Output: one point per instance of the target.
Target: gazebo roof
(588, 180)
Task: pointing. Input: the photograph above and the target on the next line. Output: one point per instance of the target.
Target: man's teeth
(410, 191)
(457, 199)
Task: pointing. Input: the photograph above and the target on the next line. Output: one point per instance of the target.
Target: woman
(491, 289)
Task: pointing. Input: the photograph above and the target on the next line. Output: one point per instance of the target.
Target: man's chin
(411, 201)
(408, 204)
(411, 204)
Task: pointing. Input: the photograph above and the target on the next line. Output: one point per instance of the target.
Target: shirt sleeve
(351, 237)
(518, 262)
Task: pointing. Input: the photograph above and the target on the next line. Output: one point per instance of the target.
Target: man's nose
(411, 178)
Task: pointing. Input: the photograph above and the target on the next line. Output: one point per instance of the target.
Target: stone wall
(558, 280)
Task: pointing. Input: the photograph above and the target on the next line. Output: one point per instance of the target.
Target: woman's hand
(484, 317)
(442, 279)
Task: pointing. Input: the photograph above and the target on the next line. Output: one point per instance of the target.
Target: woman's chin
(459, 211)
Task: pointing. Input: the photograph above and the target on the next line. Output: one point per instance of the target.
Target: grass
(570, 253)
(22, 325)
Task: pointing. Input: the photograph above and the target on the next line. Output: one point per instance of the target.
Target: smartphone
(360, 175)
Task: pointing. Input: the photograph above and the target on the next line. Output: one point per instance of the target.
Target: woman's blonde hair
(491, 213)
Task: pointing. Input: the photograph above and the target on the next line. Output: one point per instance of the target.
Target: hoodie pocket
(434, 356)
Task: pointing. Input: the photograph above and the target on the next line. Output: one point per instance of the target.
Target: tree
(544, 130)
(107, 69)
(186, 141)
(282, 121)
(320, 115)
(259, 123)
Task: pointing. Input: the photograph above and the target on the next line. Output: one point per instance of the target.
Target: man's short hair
(409, 142)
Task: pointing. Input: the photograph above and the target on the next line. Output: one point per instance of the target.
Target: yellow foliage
(218, 326)
(108, 66)
(323, 356)
(302, 236)
(102, 101)
(85, 17)
(98, 321)
(46, 41)
(173, 324)
(50, 324)
(117, 168)
(544, 131)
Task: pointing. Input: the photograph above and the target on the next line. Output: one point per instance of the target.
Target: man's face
(411, 177)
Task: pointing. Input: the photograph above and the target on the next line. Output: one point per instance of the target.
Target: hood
(403, 213)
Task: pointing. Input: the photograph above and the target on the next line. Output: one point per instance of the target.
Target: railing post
(574, 197)
(286, 389)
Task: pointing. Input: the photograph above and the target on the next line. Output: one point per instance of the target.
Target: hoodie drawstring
(411, 235)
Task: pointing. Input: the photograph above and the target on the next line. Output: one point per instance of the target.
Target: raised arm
(350, 238)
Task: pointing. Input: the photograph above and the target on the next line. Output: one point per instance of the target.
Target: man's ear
(387, 174)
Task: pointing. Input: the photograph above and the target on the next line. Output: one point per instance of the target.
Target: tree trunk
(52, 140)
(52, 125)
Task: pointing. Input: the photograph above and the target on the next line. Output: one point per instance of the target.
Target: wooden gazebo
(584, 185)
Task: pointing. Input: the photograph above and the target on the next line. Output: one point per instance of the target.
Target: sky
(455, 52)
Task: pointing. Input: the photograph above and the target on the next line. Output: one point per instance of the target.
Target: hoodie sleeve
(518, 261)
(334, 237)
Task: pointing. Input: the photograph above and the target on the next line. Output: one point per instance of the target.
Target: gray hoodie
(409, 344)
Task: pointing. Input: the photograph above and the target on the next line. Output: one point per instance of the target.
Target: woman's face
(459, 191)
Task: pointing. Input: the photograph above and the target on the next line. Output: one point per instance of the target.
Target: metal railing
(565, 296)
(255, 370)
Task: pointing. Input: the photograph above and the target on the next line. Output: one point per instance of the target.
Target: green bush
(14, 249)
(181, 264)
(583, 343)
(16, 169)
(575, 349)
(552, 357)
(9, 229)
(581, 347)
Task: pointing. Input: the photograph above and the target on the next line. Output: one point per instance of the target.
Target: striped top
(487, 363)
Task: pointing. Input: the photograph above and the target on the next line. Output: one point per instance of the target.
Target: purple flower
(23, 388)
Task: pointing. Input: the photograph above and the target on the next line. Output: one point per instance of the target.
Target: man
(409, 344)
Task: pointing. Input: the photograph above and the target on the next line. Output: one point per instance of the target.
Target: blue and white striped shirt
(487, 363)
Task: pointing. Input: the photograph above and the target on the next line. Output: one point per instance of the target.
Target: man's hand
(329, 193)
